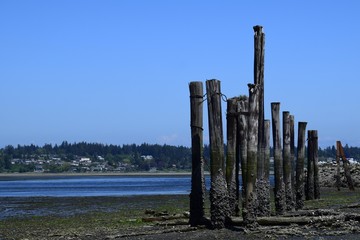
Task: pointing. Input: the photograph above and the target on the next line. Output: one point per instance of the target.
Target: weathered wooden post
(316, 164)
(231, 155)
(219, 201)
(287, 161)
(292, 154)
(278, 161)
(337, 174)
(267, 153)
(346, 167)
(309, 192)
(300, 165)
(249, 211)
(259, 56)
(242, 145)
(197, 195)
(263, 184)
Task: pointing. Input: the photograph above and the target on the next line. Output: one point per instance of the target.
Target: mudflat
(334, 216)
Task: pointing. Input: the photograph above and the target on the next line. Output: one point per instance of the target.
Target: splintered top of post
(258, 28)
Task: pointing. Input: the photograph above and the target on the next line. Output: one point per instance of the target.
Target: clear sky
(117, 72)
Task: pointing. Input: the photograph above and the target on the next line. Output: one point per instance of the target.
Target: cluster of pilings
(248, 153)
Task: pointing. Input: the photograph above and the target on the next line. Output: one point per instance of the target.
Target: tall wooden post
(231, 155)
(278, 161)
(243, 133)
(249, 212)
(263, 184)
(259, 56)
(337, 174)
(292, 154)
(309, 192)
(300, 165)
(197, 195)
(314, 142)
(345, 164)
(287, 161)
(238, 160)
(219, 201)
(267, 151)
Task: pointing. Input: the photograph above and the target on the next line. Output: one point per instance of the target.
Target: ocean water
(92, 186)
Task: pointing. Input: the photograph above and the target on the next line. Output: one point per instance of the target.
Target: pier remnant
(219, 200)
(287, 162)
(278, 161)
(300, 178)
(341, 154)
(250, 204)
(197, 195)
(231, 159)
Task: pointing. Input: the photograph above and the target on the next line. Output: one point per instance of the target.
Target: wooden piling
(242, 135)
(316, 164)
(231, 155)
(219, 201)
(249, 211)
(310, 191)
(292, 154)
(287, 161)
(300, 166)
(259, 56)
(346, 166)
(197, 195)
(263, 184)
(267, 150)
(278, 161)
(337, 174)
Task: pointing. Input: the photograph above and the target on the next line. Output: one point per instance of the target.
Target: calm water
(95, 186)
(98, 186)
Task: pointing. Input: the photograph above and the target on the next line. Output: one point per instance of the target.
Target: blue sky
(117, 72)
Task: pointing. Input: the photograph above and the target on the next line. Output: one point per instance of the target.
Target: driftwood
(300, 217)
(300, 220)
(354, 205)
(164, 218)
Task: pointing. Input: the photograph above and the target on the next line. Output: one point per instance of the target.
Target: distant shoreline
(30, 175)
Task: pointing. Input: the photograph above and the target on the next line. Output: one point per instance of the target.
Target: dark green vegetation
(59, 158)
(117, 217)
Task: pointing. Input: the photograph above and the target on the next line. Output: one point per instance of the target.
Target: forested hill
(84, 156)
(126, 157)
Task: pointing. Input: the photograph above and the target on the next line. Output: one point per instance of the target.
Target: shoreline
(31, 175)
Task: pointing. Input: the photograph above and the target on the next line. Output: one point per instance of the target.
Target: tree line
(163, 156)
